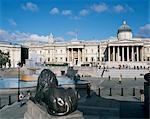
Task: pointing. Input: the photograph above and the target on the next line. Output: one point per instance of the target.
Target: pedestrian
(109, 78)
(28, 94)
(88, 90)
(120, 79)
(21, 97)
(141, 95)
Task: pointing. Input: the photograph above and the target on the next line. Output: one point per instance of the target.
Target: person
(21, 97)
(88, 90)
(109, 77)
(120, 79)
(142, 95)
(28, 94)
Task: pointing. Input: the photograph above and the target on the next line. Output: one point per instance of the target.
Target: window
(86, 50)
(48, 51)
(97, 58)
(60, 58)
(61, 51)
(56, 59)
(92, 50)
(92, 59)
(48, 59)
(66, 59)
(86, 59)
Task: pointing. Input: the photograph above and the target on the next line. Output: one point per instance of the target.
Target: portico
(125, 53)
(75, 54)
(124, 48)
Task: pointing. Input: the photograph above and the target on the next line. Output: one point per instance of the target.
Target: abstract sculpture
(58, 100)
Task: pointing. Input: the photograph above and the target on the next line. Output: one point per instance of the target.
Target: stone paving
(127, 84)
(104, 107)
(13, 111)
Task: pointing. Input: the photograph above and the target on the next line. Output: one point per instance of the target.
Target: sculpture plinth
(147, 94)
(36, 111)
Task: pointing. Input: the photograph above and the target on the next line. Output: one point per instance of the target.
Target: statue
(72, 74)
(58, 100)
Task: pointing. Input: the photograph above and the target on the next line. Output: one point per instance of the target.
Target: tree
(4, 59)
(20, 64)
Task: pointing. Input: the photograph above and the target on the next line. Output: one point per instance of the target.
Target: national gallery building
(124, 50)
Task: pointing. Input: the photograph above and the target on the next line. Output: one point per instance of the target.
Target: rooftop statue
(58, 100)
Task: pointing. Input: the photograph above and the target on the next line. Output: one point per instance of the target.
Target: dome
(124, 27)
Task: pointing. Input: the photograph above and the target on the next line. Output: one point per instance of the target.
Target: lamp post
(18, 82)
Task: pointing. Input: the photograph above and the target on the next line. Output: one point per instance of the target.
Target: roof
(124, 27)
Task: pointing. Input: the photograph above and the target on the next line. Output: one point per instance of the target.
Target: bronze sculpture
(58, 100)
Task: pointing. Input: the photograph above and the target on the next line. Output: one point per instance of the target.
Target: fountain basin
(12, 83)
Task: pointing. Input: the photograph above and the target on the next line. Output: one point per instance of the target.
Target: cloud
(99, 7)
(38, 38)
(54, 10)
(3, 35)
(3, 32)
(122, 8)
(21, 37)
(71, 33)
(144, 31)
(18, 37)
(84, 12)
(59, 39)
(119, 8)
(12, 22)
(30, 6)
(67, 12)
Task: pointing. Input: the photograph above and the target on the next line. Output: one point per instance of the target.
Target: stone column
(83, 56)
(72, 54)
(132, 53)
(127, 53)
(68, 55)
(113, 53)
(123, 53)
(137, 51)
(78, 54)
(118, 54)
(54, 58)
(109, 53)
(142, 54)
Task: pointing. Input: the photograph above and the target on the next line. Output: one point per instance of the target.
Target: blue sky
(91, 19)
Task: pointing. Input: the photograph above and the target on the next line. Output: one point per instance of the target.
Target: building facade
(14, 52)
(122, 50)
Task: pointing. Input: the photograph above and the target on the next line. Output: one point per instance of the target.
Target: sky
(23, 20)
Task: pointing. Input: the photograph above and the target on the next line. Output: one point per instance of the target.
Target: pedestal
(147, 99)
(36, 111)
(147, 94)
